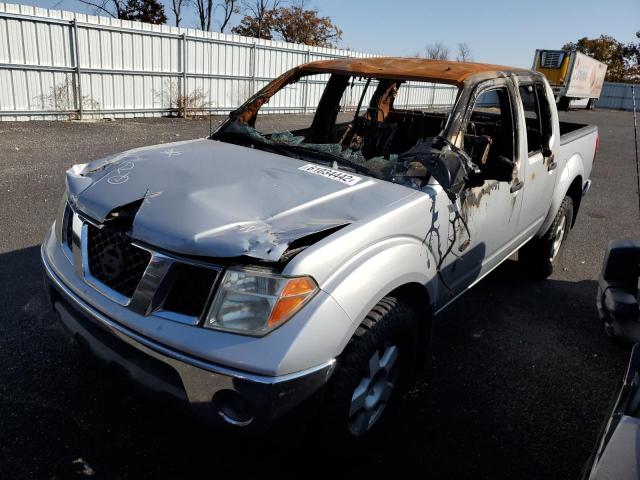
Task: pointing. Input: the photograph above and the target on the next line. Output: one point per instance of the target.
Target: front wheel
(539, 255)
(371, 373)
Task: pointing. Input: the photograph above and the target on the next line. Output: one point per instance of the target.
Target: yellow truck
(576, 79)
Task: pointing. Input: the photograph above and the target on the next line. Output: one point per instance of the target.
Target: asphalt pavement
(519, 384)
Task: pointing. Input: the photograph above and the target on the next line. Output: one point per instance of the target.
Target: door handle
(516, 186)
(552, 165)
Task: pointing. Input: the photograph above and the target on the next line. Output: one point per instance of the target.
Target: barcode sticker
(337, 175)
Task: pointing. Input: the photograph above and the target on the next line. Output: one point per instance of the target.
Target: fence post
(184, 77)
(305, 88)
(76, 55)
(252, 68)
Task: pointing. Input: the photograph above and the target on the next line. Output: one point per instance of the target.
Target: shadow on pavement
(520, 370)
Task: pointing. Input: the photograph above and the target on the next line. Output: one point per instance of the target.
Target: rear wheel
(539, 255)
(371, 374)
(563, 104)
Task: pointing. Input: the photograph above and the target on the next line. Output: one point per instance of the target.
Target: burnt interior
(366, 138)
(378, 129)
(374, 136)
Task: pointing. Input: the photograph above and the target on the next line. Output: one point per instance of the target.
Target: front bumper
(217, 394)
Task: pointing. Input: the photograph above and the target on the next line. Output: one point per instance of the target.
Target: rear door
(536, 128)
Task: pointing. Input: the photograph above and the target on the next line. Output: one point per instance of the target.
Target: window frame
(486, 86)
(545, 128)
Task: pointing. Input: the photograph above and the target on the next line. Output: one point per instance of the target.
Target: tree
(606, 49)
(464, 53)
(632, 60)
(296, 24)
(249, 26)
(150, 11)
(437, 51)
(176, 8)
(258, 19)
(229, 7)
(204, 9)
(113, 8)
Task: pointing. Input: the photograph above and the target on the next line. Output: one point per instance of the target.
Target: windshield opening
(350, 122)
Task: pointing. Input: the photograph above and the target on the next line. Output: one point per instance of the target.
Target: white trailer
(576, 79)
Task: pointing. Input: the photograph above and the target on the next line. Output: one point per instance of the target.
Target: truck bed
(570, 131)
(578, 140)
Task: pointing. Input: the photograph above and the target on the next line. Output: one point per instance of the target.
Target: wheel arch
(575, 193)
(417, 297)
(569, 183)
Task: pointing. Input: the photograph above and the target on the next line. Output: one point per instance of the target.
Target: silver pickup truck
(260, 272)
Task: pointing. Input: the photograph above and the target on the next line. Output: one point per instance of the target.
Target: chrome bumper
(215, 393)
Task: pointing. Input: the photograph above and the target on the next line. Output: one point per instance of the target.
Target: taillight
(595, 153)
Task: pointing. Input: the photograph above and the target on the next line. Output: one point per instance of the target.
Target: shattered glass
(383, 135)
(379, 166)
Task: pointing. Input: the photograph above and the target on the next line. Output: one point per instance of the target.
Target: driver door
(482, 235)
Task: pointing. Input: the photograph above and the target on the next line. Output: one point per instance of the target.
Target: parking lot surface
(520, 378)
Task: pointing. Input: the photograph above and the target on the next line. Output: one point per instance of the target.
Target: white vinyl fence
(58, 65)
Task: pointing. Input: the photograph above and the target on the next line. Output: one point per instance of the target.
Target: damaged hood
(209, 198)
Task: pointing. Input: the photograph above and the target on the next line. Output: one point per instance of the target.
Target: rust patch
(473, 196)
(407, 68)
(533, 176)
(394, 68)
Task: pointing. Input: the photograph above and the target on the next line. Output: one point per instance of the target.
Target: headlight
(254, 303)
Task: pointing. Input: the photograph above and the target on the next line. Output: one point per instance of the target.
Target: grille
(114, 261)
(67, 226)
(190, 289)
(552, 59)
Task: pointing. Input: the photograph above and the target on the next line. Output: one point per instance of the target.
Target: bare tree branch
(259, 9)
(464, 53)
(204, 9)
(229, 7)
(113, 8)
(176, 8)
(437, 51)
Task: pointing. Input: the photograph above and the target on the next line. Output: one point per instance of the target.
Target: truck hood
(210, 198)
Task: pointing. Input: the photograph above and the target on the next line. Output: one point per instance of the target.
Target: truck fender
(572, 169)
(367, 277)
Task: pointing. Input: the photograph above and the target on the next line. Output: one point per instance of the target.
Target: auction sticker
(336, 175)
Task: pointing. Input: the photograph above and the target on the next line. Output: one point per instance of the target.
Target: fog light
(232, 408)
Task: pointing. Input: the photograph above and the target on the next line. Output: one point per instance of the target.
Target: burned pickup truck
(264, 271)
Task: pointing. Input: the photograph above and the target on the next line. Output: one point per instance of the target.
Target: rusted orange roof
(407, 68)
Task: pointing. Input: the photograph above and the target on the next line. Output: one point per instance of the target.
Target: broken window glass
(365, 123)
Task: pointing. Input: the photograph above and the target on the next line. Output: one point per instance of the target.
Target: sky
(498, 31)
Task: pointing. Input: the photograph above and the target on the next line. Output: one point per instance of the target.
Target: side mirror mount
(500, 169)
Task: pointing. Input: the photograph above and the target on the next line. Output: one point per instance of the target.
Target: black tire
(563, 104)
(538, 256)
(390, 323)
